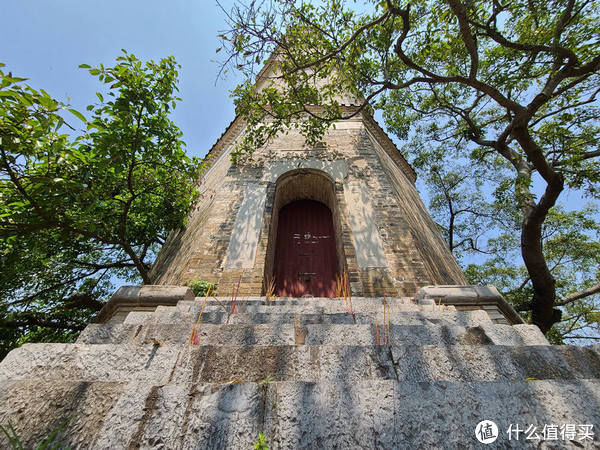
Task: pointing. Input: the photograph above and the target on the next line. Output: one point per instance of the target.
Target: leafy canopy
(79, 207)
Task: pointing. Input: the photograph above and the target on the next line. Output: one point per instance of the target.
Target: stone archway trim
(337, 170)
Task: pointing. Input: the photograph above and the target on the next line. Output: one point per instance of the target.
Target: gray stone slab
(357, 302)
(209, 334)
(330, 415)
(363, 318)
(332, 306)
(185, 416)
(36, 408)
(262, 313)
(157, 293)
(304, 363)
(124, 363)
(281, 331)
(138, 317)
(123, 423)
(494, 363)
(530, 335)
(108, 333)
(333, 334)
(147, 297)
(141, 383)
(501, 334)
(310, 300)
(486, 297)
(160, 364)
(322, 329)
(445, 415)
(404, 363)
(336, 413)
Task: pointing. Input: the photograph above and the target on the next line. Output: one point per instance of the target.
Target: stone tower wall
(228, 232)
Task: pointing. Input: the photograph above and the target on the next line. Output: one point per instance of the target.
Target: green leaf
(43, 445)
(76, 180)
(84, 66)
(77, 114)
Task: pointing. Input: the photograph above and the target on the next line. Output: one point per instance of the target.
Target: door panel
(305, 252)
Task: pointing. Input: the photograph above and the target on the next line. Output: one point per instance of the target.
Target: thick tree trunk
(542, 305)
(544, 289)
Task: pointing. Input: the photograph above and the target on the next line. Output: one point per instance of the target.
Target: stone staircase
(307, 373)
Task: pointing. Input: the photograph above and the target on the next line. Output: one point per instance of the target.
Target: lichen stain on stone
(315, 359)
(149, 405)
(474, 336)
(186, 414)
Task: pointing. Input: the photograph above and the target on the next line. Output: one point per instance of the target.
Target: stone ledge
(468, 297)
(142, 298)
(296, 414)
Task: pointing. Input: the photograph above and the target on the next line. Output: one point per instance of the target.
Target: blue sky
(46, 41)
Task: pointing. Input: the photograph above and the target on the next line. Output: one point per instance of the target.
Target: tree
(78, 209)
(482, 230)
(513, 84)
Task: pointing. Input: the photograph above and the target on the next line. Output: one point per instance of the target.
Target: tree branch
(468, 38)
(579, 295)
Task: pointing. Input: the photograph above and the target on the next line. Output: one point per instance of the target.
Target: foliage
(201, 288)
(267, 380)
(80, 207)
(260, 444)
(482, 230)
(16, 444)
(509, 87)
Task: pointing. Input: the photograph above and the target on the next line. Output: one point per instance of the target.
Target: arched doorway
(305, 252)
(311, 197)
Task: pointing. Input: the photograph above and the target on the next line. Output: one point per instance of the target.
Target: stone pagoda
(339, 320)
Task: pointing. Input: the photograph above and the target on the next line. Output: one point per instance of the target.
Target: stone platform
(307, 373)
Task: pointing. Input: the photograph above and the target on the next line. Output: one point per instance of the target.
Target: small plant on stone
(268, 379)
(16, 444)
(201, 287)
(260, 444)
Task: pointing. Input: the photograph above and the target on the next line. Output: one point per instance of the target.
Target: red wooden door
(305, 256)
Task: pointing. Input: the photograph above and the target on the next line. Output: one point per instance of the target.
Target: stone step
(297, 414)
(426, 333)
(313, 301)
(308, 306)
(276, 317)
(464, 318)
(162, 364)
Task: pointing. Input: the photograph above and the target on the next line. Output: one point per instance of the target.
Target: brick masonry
(356, 152)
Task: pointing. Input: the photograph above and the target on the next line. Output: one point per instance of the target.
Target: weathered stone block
(123, 363)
